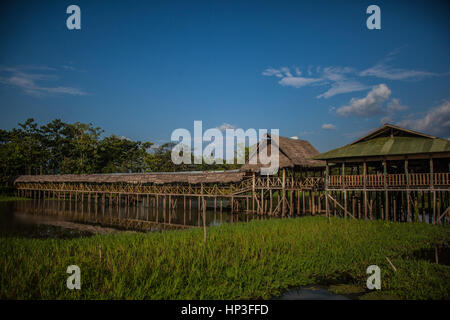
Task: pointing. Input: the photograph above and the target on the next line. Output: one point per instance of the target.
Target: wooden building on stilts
(391, 174)
(295, 188)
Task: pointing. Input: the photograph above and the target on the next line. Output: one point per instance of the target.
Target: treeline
(62, 148)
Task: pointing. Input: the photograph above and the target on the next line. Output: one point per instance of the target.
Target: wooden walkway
(394, 197)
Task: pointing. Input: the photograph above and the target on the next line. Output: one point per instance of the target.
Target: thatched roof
(388, 140)
(292, 152)
(193, 177)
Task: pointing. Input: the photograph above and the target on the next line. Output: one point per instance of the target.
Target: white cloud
(336, 77)
(328, 126)
(384, 71)
(272, 72)
(32, 83)
(295, 138)
(370, 105)
(394, 105)
(297, 82)
(341, 80)
(436, 121)
(224, 126)
(340, 87)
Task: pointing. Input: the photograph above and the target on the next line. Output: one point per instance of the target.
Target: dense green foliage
(259, 259)
(60, 147)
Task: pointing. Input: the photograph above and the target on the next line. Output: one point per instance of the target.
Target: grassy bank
(4, 198)
(259, 259)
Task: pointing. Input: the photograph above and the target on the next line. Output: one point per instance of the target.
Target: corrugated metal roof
(385, 146)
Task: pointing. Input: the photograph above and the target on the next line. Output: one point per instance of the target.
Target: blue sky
(141, 69)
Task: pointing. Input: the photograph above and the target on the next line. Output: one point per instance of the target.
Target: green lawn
(259, 259)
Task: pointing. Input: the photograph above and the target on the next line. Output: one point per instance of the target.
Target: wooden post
(359, 208)
(326, 189)
(204, 220)
(232, 204)
(271, 201)
(247, 204)
(253, 192)
(408, 211)
(157, 209)
(262, 202)
(103, 204)
(82, 203)
(215, 206)
(434, 206)
(291, 203)
(423, 206)
(343, 188)
(386, 195)
(395, 209)
(432, 190)
(304, 201)
(283, 197)
(365, 187)
(164, 208)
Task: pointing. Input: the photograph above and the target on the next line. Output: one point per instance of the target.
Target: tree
(61, 148)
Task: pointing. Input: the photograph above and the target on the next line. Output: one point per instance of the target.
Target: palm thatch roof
(388, 140)
(292, 152)
(192, 177)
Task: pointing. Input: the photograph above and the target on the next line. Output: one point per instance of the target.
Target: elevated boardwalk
(391, 173)
(240, 190)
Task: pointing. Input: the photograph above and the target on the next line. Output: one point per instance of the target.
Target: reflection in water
(137, 216)
(310, 293)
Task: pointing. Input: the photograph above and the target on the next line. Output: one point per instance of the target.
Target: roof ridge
(389, 125)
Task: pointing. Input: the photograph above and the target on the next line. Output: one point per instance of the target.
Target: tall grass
(259, 259)
(6, 198)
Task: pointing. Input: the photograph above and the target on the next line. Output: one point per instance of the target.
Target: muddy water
(310, 293)
(66, 219)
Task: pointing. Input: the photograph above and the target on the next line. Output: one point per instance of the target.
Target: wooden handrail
(393, 180)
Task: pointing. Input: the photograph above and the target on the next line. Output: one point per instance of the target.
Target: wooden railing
(392, 180)
(442, 179)
(290, 183)
(374, 180)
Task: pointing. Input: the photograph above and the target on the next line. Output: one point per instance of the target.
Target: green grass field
(259, 259)
(4, 198)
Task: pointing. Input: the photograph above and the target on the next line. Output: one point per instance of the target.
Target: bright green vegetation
(258, 259)
(11, 198)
